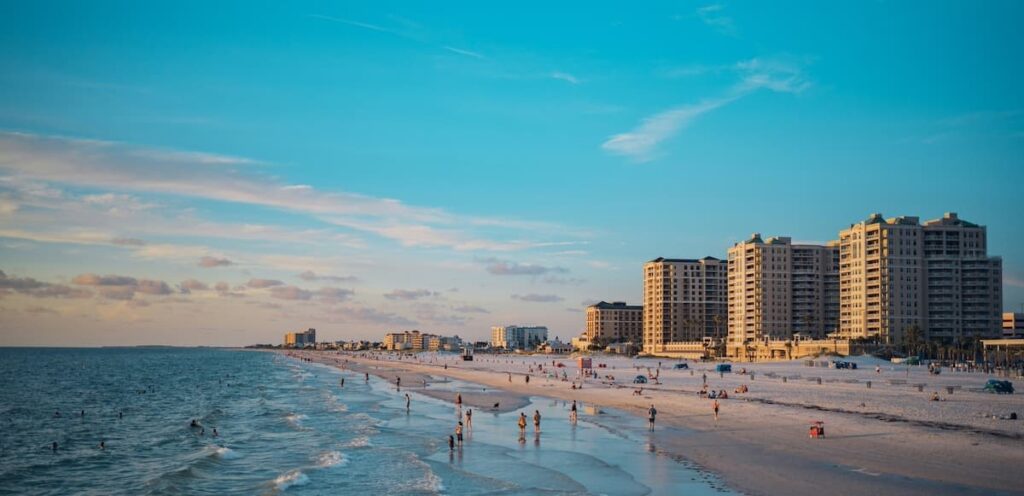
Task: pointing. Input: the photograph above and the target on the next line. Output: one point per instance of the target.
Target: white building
(513, 337)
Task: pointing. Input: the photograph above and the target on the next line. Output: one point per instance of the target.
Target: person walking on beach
(572, 412)
(536, 421)
(651, 412)
(458, 433)
(714, 406)
(458, 399)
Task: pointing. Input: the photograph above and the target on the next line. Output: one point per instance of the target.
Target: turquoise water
(287, 426)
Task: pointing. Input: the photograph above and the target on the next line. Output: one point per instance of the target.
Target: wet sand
(763, 448)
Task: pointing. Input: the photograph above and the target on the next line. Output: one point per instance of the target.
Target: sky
(219, 173)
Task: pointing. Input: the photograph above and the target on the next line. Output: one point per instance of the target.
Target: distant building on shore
(300, 339)
(514, 337)
(615, 322)
(897, 275)
(419, 341)
(778, 289)
(1013, 325)
(685, 301)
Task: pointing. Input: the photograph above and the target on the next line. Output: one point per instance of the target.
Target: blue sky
(451, 167)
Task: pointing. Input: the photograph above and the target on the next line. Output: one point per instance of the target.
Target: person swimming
(54, 447)
(215, 434)
(56, 414)
(103, 445)
(120, 415)
(194, 423)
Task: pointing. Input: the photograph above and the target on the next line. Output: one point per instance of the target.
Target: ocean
(287, 426)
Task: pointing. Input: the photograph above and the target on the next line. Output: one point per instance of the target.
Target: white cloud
(640, 143)
(465, 52)
(565, 76)
(713, 15)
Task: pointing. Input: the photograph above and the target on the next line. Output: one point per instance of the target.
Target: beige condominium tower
(777, 289)
(684, 301)
(615, 322)
(897, 275)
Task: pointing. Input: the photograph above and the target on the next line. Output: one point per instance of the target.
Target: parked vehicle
(639, 380)
(681, 366)
(999, 387)
(723, 367)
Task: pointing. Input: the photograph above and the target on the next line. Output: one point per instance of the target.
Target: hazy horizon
(215, 175)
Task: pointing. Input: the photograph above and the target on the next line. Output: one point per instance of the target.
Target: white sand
(887, 438)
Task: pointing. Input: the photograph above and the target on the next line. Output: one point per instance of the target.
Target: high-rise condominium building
(684, 300)
(300, 339)
(513, 337)
(615, 322)
(777, 289)
(896, 275)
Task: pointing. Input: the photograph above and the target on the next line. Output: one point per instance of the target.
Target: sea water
(287, 426)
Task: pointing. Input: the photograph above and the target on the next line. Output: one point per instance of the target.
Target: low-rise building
(514, 337)
(615, 322)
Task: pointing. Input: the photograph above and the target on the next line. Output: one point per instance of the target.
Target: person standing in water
(651, 413)
(572, 412)
(522, 426)
(451, 443)
(536, 421)
(398, 383)
(458, 399)
(458, 433)
(408, 401)
(469, 419)
(367, 377)
(342, 382)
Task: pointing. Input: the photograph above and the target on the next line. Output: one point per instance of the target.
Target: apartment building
(964, 285)
(407, 340)
(300, 339)
(1013, 325)
(777, 289)
(514, 337)
(896, 274)
(615, 322)
(684, 301)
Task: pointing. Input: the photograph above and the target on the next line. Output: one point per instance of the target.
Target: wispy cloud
(409, 294)
(779, 75)
(538, 298)
(565, 76)
(508, 268)
(358, 24)
(462, 51)
(640, 143)
(210, 262)
(714, 16)
(97, 164)
(309, 275)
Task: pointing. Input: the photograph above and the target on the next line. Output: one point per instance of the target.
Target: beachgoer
(408, 400)
(103, 445)
(651, 412)
(878, 369)
(83, 413)
(458, 399)
(120, 415)
(522, 424)
(194, 423)
(704, 376)
(342, 382)
(367, 377)
(202, 431)
(536, 421)
(572, 412)
(715, 407)
(458, 433)
(469, 419)
(56, 414)
(54, 447)
(398, 382)
(215, 434)
(451, 442)
(510, 377)
(935, 396)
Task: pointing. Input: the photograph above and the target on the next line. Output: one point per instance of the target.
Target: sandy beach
(889, 437)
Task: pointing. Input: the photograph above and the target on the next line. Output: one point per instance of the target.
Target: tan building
(300, 339)
(1013, 325)
(615, 322)
(777, 289)
(684, 301)
(407, 340)
(896, 274)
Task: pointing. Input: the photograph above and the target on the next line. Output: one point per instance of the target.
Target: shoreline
(760, 447)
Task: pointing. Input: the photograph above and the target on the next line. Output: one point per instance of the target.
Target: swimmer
(451, 442)
(103, 445)
(56, 414)
(54, 447)
(194, 423)
(215, 434)
(202, 432)
(120, 415)
(367, 377)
